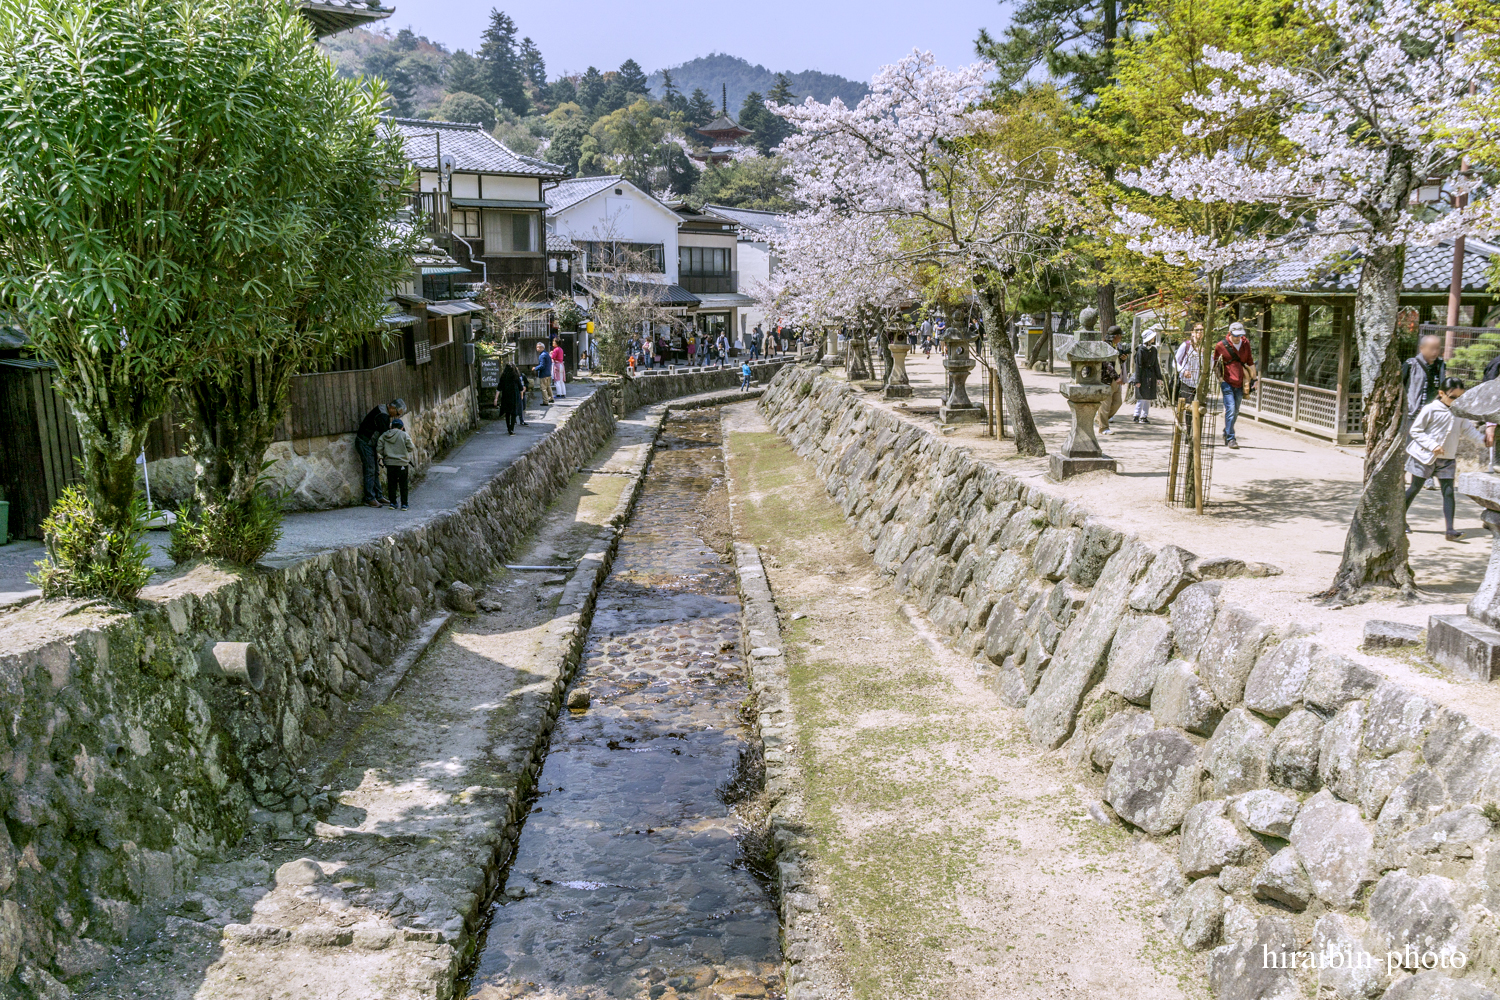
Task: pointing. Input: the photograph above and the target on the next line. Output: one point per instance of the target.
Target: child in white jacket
(1433, 449)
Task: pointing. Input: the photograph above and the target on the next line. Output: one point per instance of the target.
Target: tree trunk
(236, 422)
(113, 409)
(1375, 550)
(1012, 389)
(1106, 307)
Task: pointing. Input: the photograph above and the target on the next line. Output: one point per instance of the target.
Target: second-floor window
(703, 261)
(510, 232)
(466, 223)
(649, 257)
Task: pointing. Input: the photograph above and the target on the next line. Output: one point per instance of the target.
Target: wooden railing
(1306, 408)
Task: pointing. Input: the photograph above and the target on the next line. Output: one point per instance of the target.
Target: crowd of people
(694, 348)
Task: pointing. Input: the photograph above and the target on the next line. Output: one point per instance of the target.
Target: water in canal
(630, 878)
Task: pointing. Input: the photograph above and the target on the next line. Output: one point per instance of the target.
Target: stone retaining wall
(1308, 804)
(643, 390)
(122, 762)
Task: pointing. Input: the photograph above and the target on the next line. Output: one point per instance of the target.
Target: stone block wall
(323, 472)
(643, 390)
(1307, 804)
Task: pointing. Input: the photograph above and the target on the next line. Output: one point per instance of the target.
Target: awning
(398, 319)
(446, 269)
(456, 307)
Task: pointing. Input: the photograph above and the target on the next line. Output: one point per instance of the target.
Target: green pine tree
(632, 79)
(533, 66)
(671, 98)
(502, 64)
(1073, 39)
(590, 89)
(700, 110)
(464, 76)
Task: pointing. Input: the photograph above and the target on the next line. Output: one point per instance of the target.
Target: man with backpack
(1235, 366)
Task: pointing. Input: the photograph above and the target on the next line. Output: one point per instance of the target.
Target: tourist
(376, 423)
(396, 451)
(1423, 375)
(1147, 373)
(723, 345)
(1235, 366)
(692, 350)
(1432, 452)
(512, 395)
(1111, 377)
(559, 369)
(757, 339)
(746, 375)
(543, 372)
(1188, 363)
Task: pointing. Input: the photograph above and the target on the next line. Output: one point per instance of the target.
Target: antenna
(446, 163)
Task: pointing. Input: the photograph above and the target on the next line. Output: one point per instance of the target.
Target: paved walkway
(445, 484)
(1282, 498)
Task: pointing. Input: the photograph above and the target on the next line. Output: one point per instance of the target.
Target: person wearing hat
(1235, 366)
(1110, 376)
(1147, 374)
(397, 451)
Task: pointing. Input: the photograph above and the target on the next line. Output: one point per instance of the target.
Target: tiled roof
(330, 16)
(724, 123)
(560, 244)
(658, 292)
(767, 223)
(472, 149)
(570, 192)
(1428, 269)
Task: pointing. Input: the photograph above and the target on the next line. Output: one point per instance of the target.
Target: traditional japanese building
(724, 135)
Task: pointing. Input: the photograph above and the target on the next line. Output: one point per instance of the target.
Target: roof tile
(471, 147)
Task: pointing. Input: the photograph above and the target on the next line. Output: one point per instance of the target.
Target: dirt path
(959, 861)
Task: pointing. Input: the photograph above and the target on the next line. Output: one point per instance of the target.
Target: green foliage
(631, 138)
(240, 531)
(1074, 39)
(591, 88)
(89, 557)
(407, 72)
(533, 66)
(464, 77)
(461, 107)
(631, 79)
(759, 182)
(522, 135)
(766, 130)
(569, 316)
(700, 110)
(740, 76)
(501, 64)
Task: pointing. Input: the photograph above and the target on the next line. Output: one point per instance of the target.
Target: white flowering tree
(969, 204)
(1367, 116)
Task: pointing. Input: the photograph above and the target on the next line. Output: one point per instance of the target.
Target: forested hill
(741, 76)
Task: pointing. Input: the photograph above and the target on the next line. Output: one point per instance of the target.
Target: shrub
(85, 557)
(239, 531)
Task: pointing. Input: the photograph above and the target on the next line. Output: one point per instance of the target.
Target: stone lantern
(1085, 391)
(958, 362)
(898, 385)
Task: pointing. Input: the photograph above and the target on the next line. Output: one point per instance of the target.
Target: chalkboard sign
(489, 373)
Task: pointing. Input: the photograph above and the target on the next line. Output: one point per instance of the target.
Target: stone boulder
(1392, 635)
(1259, 967)
(1452, 835)
(1339, 751)
(1170, 572)
(1335, 848)
(1436, 986)
(1275, 685)
(1180, 699)
(1197, 916)
(1336, 680)
(1230, 652)
(1296, 744)
(1237, 756)
(1053, 706)
(1416, 915)
(1140, 649)
(1358, 975)
(1118, 730)
(1154, 781)
(1054, 552)
(1265, 811)
(1284, 879)
(1210, 841)
(461, 598)
(1098, 544)
(1193, 615)
(1375, 780)
(1396, 720)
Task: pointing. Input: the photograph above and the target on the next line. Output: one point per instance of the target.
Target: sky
(848, 37)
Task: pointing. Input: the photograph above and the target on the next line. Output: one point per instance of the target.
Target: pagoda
(724, 133)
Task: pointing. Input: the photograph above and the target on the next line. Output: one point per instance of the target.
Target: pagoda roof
(724, 126)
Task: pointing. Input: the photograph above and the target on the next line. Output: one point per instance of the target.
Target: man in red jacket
(1235, 366)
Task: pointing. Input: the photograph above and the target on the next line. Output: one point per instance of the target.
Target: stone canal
(634, 875)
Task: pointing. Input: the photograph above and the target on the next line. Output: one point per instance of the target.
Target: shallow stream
(631, 877)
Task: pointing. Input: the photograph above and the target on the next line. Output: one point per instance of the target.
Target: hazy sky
(849, 37)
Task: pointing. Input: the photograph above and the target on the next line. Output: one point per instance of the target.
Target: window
(438, 331)
(696, 261)
(607, 254)
(510, 232)
(466, 223)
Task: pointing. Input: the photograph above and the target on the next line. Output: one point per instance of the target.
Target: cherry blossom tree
(1366, 116)
(971, 201)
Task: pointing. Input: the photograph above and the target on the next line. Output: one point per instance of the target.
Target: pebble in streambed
(629, 879)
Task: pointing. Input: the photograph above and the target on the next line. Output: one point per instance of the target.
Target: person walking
(1235, 366)
(1188, 364)
(723, 345)
(512, 397)
(559, 369)
(1112, 378)
(366, 440)
(757, 339)
(1146, 375)
(397, 451)
(1432, 452)
(543, 372)
(1422, 375)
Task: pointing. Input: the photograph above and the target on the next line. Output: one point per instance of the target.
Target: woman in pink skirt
(559, 375)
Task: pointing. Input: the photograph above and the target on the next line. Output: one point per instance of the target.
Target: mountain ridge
(721, 70)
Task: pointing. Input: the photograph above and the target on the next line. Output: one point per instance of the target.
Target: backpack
(1492, 370)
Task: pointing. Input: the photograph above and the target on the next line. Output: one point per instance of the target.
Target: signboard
(489, 373)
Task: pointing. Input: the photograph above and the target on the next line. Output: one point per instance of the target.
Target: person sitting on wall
(376, 423)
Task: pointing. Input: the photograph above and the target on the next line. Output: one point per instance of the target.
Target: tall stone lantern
(898, 386)
(831, 356)
(1084, 391)
(958, 362)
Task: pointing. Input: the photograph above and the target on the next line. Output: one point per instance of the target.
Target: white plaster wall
(631, 216)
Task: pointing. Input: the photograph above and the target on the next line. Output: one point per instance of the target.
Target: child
(396, 451)
(1433, 448)
(746, 376)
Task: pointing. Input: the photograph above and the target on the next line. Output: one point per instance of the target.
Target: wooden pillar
(1342, 317)
(1299, 364)
(1264, 358)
